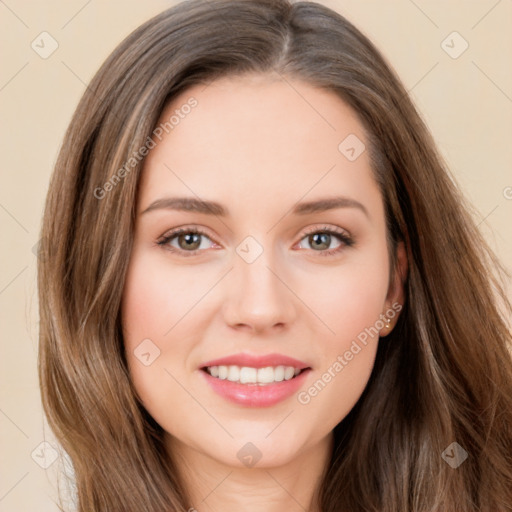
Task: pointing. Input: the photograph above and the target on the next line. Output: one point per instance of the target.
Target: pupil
(189, 238)
(323, 239)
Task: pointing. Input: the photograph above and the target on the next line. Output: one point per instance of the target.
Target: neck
(212, 485)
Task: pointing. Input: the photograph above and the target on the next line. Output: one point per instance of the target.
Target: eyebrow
(190, 204)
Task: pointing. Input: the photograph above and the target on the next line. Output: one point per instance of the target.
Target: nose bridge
(257, 295)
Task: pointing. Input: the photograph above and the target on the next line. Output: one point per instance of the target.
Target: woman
(261, 289)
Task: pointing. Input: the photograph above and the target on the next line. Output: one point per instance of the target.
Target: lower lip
(254, 395)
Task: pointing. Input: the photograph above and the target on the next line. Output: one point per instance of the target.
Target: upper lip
(254, 361)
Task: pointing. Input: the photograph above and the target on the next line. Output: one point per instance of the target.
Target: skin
(257, 145)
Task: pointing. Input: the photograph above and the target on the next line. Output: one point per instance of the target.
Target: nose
(258, 297)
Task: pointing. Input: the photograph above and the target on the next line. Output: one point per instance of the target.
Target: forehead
(255, 138)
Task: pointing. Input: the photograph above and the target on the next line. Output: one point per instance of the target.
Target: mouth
(252, 376)
(255, 380)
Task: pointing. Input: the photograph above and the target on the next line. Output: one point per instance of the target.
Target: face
(273, 275)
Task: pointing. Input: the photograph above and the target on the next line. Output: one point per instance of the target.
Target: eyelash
(346, 240)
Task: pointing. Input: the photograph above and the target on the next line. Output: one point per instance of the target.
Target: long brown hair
(444, 374)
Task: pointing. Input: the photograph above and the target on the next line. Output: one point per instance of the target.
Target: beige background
(467, 103)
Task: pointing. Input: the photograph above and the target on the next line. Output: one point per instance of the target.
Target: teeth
(265, 375)
(289, 372)
(233, 373)
(248, 375)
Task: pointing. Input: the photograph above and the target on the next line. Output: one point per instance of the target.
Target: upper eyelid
(335, 230)
(187, 229)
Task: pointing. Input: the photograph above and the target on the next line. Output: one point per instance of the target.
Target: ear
(396, 294)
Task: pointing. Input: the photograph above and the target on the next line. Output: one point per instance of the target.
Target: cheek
(156, 296)
(348, 300)
(161, 310)
(150, 307)
(350, 306)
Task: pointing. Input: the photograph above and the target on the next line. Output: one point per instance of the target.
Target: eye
(321, 239)
(188, 240)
